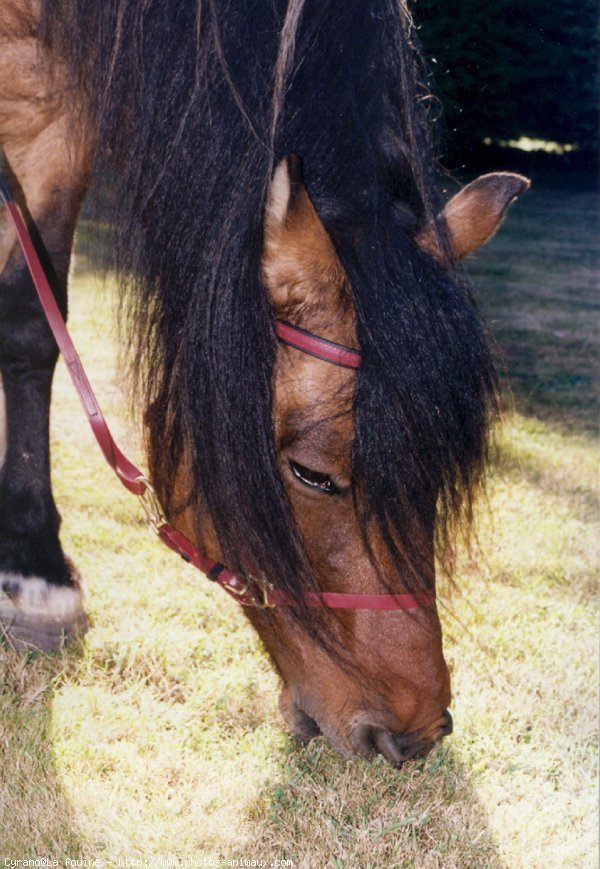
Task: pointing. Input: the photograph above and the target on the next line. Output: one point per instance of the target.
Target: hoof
(38, 616)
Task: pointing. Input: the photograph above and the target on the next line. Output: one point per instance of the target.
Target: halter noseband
(255, 591)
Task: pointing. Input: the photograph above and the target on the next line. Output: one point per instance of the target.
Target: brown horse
(363, 466)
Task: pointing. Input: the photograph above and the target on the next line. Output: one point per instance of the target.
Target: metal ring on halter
(266, 588)
(151, 505)
(245, 590)
(239, 588)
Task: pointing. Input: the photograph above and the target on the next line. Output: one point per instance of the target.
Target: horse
(272, 165)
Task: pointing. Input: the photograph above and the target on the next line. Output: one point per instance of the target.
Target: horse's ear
(474, 214)
(298, 256)
(285, 189)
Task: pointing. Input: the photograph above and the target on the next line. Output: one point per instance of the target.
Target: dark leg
(40, 591)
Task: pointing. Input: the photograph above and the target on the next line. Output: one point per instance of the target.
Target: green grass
(538, 288)
(159, 735)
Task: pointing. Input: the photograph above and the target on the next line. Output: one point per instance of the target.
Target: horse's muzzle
(369, 739)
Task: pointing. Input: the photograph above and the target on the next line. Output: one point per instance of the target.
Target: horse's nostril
(303, 727)
(396, 748)
(448, 725)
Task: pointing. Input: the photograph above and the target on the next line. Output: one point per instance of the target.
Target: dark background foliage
(509, 68)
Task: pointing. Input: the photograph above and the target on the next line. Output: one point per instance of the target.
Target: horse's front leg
(40, 590)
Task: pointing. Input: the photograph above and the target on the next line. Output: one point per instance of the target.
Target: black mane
(196, 101)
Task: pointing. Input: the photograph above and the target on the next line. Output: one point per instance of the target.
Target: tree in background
(509, 68)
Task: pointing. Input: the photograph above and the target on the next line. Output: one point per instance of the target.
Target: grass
(159, 735)
(537, 285)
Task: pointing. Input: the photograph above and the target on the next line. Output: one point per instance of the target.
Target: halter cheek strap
(256, 591)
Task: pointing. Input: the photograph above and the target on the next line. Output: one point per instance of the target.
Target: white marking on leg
(34, 596)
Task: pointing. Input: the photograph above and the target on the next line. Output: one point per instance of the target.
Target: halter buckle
(253, 591)
(237, 589)
(151, 505)
(265, 587)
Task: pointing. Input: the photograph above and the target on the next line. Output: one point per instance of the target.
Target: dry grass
(159, 736)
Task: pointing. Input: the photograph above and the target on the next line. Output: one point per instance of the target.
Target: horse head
(371, 681)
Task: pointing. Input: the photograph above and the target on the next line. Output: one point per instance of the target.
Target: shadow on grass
(36, 817)
(368, 814)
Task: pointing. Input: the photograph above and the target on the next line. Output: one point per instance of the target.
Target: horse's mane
(196, 101)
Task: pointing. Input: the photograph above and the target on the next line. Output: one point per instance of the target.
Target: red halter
(255, 591)
(321, 348)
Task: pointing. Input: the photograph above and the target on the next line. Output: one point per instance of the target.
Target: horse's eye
(314, 479)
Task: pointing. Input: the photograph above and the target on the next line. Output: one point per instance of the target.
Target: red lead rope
(256, 592)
